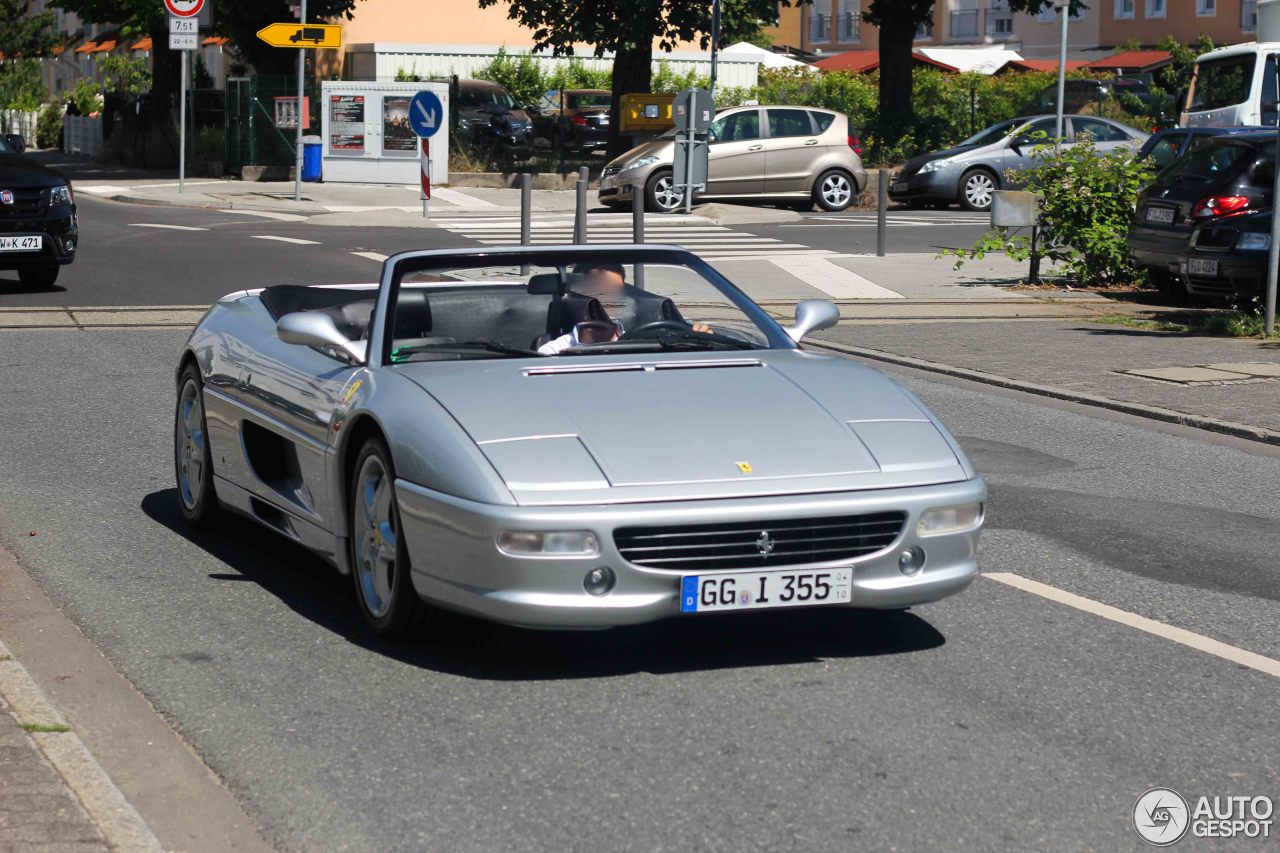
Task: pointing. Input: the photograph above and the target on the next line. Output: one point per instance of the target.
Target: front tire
(377, 550)
(834, 190)
(661, 193)
(42, 277)
(977, 189)
(192, 460)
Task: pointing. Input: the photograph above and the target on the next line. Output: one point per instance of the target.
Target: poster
(397, 134)
(346, 124)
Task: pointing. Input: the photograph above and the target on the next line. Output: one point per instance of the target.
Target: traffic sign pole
(182, 129)
(297, 158)
(425, 158)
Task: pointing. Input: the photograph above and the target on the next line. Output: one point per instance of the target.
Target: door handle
(755, 147)
(811, 142)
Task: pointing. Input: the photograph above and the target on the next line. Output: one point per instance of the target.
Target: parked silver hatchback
(804, 156)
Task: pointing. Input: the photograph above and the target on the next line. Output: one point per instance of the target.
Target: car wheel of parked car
(193, 466)
(977, 189)
(833, 190)
(661, 193)
(1169, 285)
(379, 556)
(42, 277)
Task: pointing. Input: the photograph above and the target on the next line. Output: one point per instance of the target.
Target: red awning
(862, 61)
(1133, 60)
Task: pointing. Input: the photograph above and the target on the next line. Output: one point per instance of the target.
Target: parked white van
(1236, 86)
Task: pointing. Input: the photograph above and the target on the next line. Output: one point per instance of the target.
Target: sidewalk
(1228, 385)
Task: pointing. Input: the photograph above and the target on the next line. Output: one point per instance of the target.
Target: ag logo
(1161, 817)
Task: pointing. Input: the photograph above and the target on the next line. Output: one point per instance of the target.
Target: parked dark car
(1226, 259)
(491, 122)
(38, 230)
(577, 119)
(1166, 147)
(1230, 175)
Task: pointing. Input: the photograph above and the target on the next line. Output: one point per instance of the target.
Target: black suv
(38, 231)
(1225, 177)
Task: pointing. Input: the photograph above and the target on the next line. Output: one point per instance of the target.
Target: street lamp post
(1063, 7)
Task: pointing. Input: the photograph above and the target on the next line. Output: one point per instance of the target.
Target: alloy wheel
(189, 445)
(375, 536)
(979, 189)
(836, 191)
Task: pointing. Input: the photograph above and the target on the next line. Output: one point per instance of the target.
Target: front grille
(611, 169)
(758, 544)
(1211, 286)
(25, 203)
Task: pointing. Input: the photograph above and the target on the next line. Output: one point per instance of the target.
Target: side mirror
(315, 329)
(812, 315)
(16, 142)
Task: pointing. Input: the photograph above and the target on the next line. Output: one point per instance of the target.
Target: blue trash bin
(312, 156)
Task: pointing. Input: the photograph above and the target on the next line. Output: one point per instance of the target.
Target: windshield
(1221, 83)
(480, 98)
(5, 149)
(579, 100)
(992, 134)
(578, 304)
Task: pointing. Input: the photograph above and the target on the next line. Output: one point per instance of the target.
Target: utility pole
(1064, 8)
(297, 157)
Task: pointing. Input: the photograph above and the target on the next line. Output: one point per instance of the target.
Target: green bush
(87, 96)
(519, 75)
(49, 127)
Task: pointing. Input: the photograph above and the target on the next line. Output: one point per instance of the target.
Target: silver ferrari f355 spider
(564, 437)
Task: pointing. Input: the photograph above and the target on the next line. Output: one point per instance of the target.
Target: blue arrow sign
(426, 114)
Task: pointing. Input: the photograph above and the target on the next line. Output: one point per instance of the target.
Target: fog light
(71, 245)
(599, 581)
(911, 560)
(951, 519)
(555, 543)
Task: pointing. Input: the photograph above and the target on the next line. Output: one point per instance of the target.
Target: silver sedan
(569, 438)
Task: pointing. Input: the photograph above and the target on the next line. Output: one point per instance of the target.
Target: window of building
(964, 19)
(1155, 8)
(924, 31)
(999, 19)
(850, 20)
(819, 27)
(1124, 10)
(1249, 16)
(1206, 8)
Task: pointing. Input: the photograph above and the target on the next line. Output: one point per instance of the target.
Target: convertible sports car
(567, 437)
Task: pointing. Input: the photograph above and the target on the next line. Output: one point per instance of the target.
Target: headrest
(549, 283)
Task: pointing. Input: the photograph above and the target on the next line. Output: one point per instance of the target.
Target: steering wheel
(656, 326)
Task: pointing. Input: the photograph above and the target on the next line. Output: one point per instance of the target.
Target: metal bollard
(882, 211)
(580, 215)
(637, 228)
(526, 212)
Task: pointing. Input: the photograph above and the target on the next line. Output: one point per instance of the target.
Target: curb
(106, 805)
(1156, 413)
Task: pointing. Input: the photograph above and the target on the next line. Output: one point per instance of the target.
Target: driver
(607, 282)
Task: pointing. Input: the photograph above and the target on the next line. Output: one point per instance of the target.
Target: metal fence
(252, 137)
(82, 135)
(20, 121)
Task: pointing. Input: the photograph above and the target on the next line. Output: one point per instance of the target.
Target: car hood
(664, 148)
(671, 427)
(914, 164)
(18, 171)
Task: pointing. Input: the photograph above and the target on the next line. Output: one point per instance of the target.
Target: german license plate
(1202, 266)
(900, 186)
(757, 590)
(1163, 215)
(606, 183)
(25, 243)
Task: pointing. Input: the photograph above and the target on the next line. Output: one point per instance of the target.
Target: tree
(628, 30)
(898, 21)
(23, 37)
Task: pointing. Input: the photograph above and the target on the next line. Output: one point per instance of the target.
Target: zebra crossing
(712, 242)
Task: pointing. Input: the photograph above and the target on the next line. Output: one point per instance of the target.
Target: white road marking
(296, 240)
(458, 199)
(831, 279)
(373, 256)
(101, 189)
(269, 214)
(165, 225)
(1182, 636)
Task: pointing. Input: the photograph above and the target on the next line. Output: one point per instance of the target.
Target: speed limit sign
(184, 8)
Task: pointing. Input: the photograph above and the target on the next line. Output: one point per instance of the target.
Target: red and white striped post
(425, 159)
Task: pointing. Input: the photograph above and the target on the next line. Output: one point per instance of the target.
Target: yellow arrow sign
(302, 35)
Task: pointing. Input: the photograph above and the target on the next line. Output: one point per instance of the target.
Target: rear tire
(977, 189)
(43, 277)
(192, 459)
(376, 547)
(1170, 286)
(834, 190)
(660, 192)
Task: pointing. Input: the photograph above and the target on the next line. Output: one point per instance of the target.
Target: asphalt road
(140, 255)
(997, 719)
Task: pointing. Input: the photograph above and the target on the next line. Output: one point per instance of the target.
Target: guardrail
(82, 135)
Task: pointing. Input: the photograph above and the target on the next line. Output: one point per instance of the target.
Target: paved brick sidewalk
(1090, 359)
(38, 813)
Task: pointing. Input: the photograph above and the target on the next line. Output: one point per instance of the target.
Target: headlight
(60, 195)
(933, 166)
(951, 519)
(557, 543)
(641, 163)
(1251, 241)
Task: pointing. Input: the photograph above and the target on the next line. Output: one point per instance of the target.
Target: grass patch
(1234, 324)
(1139, 323)
(44, 728)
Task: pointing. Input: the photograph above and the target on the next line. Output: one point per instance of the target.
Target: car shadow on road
(10, 284)
(476, 649)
